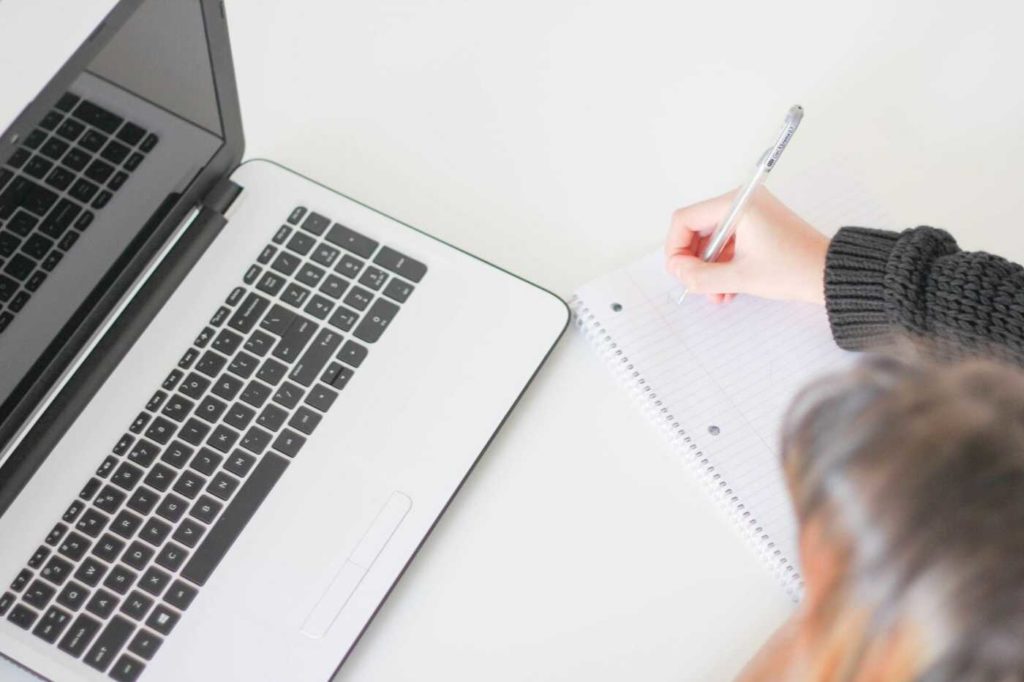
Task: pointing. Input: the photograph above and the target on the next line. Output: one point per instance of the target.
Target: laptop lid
(167, 60)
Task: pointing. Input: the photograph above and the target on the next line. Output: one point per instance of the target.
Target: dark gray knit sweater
(881, 285)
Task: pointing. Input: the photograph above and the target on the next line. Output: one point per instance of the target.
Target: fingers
(692, 222)
(722, 277)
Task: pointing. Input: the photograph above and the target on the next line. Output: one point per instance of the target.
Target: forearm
(880, 286)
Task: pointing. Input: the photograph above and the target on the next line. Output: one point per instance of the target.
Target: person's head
(908, 482)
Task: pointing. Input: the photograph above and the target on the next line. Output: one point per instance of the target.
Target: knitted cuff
(854, 289)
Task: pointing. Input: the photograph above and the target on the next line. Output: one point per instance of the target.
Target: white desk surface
(554, 138)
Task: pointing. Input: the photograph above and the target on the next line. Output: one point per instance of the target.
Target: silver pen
(723, 233)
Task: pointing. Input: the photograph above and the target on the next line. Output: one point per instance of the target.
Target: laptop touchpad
(345, 582)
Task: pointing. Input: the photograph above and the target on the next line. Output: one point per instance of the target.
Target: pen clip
(789, 126)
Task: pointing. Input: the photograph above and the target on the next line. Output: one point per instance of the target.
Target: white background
(554, 138)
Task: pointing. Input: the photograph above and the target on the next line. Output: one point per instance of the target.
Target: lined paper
(718, 379)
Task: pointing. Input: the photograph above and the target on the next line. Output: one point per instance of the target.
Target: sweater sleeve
(880, 286)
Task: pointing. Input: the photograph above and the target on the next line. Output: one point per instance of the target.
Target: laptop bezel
(45, 386)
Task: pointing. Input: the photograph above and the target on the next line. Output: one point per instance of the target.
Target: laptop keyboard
(71, 164)
(121, 567)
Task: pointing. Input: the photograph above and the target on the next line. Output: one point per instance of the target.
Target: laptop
(233, 402)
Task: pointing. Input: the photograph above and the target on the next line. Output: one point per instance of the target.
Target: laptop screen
(84, 187)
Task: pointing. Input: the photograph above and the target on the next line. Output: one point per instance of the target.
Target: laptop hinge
(223, 194)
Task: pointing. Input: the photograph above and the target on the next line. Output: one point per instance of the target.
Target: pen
(720, 237)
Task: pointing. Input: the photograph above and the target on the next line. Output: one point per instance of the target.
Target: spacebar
(220, 538)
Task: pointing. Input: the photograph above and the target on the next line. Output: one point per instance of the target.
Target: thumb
(705, 278)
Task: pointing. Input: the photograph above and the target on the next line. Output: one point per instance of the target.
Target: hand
(774, 253)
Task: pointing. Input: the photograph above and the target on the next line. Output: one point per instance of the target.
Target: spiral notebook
(717, 379)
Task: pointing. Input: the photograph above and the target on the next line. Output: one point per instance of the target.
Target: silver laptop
(233, 402)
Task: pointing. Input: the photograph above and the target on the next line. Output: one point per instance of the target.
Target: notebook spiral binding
(647, 399)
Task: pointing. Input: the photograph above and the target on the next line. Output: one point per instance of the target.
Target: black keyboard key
(109, 643)
(136, 605)
(114, 152)
(160, 477)
(286, 263)
(18, 158)
(239, 463)
(22, 616)
(126, 524)
(206, 461)
(21, 580)
(272, 372)
(171, 556)
(301, 243)
(255, 394)
(120, 579)
(325, 255)
(149, 143)
(178, 407)
(97, 117)
(180, 595)
(78, 636)
(52, 260)
(188, 358)
(34, 139)
(83, 190)
(83, 221)
(195, 386)
(22, 223)
(223, 439)
(227, 387)
(310, 275)
(137, 555)
(145, 644)
(162, 619)
(400, 264)
(266, 254)
(54, 148)
(7, 287)
(6, 599)
(189, 484)
(205, 509)
(239, 416)
(13, 196)
(6, 318)
(38, 594)
(189, 533)
(376, 320)
(351, 240)
(133, 161)
(51, 120)
(271, 283)
(295, 295)
(194, 431)
(56, 534)
(143, 500)
(117, 180)
(127, 476)
(321, 397)
(288, 395)
(234, 518)
(92, 522)
(304, 420)
(300, 331)
(60, 178)
(160, 430)
(98, 171)
(319, 307)
(337, 375)
(343, 318)
(102, 199)
(314, 223)
(37, 246)
(144, 453)
(211, 409)
(52, 624)
(243, 365)
(352, 354)
(334, 286)
(67, 101)
(127, 669)
(108, 547)
(211, 363)
(19, 300)
(358, 298)
(154, 581)
(272, 418)
(102, 603)
(349, 266)
(75, 546)
(38, 557)
(278, 320)
(248, 314)
(73, 596)
(109, 499)
(260, 343)
(73, 510)
(90, 572)
(316, 357)
(288, 442)
(9, 243)
(282, 234)
(251, 274)
(373, 278)
(130, 134)
(155, 532)
(76, 159)
(177, 454)
(35, 280)
(296, 215)
(221, 316)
